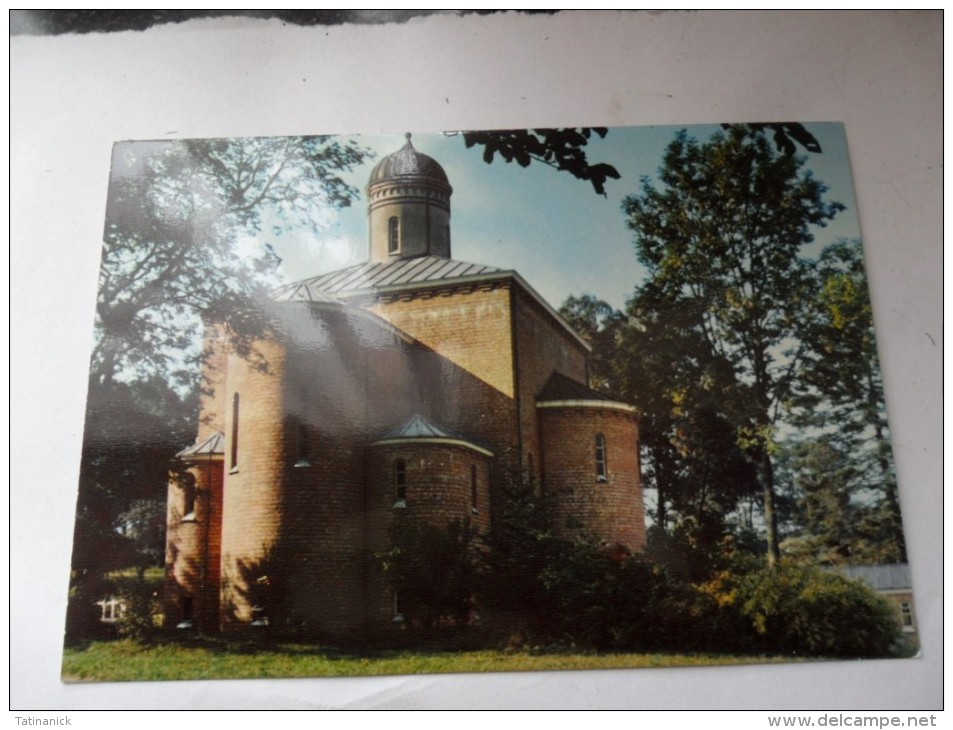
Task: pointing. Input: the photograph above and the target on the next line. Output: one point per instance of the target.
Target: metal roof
(561, 387)
(380, 275)
(891, 576)
(214, 444)
(407, 162)
(419, 428)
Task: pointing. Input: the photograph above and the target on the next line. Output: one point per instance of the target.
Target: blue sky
(553, 229)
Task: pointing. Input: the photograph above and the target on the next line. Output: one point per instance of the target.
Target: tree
(178, 220)
(604, 328)
(657, 361)
(839, 395)
(722, 236)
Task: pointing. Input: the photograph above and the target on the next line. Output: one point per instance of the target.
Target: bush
(803, 610)
(141, 618)
(436, 572)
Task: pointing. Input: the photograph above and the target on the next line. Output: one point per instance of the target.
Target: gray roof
(214, 444)
(381, 275)
(562, 387)
(419, 427)
(407, 162)
(892, 576)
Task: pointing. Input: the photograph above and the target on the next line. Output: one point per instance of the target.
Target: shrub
(804, 610)
(141, 617)
(436, 572)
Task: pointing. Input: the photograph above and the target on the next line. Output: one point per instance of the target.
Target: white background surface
(73, 96)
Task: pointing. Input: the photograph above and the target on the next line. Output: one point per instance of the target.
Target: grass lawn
(125, 660)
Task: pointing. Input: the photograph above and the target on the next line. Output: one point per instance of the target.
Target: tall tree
(840, 393)
(722, 234)
(179, 242)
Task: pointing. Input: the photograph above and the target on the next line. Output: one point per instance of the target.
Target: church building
(413, 383)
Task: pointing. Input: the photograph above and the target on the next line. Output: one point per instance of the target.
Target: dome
(408, 162)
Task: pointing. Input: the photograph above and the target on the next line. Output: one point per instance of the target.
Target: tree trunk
(766, 479)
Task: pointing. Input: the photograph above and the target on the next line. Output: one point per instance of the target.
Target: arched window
(393, 234)
(602, 472)
(304, 446)
(188, 497)
(398, 614)
(400, 483)
(233, 458)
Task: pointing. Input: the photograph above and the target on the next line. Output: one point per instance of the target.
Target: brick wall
(193, 544)
(214, 369)
(465, 363)
(611, 511)
(438, 492)
(252, 501)
(542, 347)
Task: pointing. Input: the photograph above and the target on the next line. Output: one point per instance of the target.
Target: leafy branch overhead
(562, 149)
(786, 136)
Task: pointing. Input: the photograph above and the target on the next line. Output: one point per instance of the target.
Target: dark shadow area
(58, 22)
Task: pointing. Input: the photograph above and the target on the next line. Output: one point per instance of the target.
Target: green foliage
(840, 396)
(436, 572)
(563, 149)
(132, 430)
(721, 235)
(176, 218)
(805, 611)
(141, 619)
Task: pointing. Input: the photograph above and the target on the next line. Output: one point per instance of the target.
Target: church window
(473, 487)
(602, 473)
(188, 494)
(400, 483)
(398, 615)
(303, 446)
(393, 234)
(233, 457)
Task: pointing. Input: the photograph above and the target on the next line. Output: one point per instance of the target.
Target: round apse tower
(409, 207)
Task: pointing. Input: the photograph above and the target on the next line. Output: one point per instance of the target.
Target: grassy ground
(125, 660)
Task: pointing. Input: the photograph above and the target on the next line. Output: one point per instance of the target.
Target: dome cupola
(408, 206)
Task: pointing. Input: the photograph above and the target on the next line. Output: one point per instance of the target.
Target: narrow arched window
(393, 234)
(233, 458)
(400, 483)
(473, 487)
(188, 495)
(398, 615)
(304, 446)
(602, 472)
